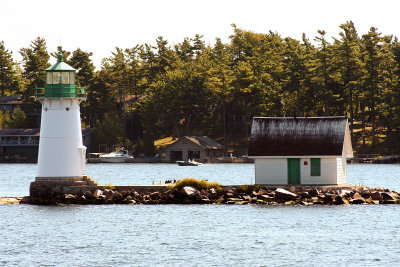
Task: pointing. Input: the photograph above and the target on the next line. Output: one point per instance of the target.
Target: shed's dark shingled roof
(203, 141)
(297, 136)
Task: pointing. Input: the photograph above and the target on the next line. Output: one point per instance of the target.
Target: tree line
(147, 92)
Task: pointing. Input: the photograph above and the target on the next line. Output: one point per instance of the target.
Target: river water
(197, 235)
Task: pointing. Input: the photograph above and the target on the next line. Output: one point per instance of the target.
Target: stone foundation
(56, 187)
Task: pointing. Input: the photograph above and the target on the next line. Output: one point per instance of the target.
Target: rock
(387, 196)
(282, 194)
(329, 198)
(97, 193)
(366, 194)
(304, 195)
(229, 194)
(212, 191)
(117, 196)
(134, 194)
(339, 200)
(127, 199)
(155, 195)
(89, 195)
(358, 201)
(344, 192)
(259, 193)
(357, 196)
(246, 197)
(313, 192)
(70, 196)
(292, 189)
(189, 191)
(107, 192)
(376, 195)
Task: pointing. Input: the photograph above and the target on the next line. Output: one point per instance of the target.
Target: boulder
(344, 192)
(358, 201)
(117, 196)
(189, 191)
(304, 195)
(127, 199)
(134, 194)
(387, 196)
(282, 194)
(376, 195)
(339, 200)
(107, 192)
(313, 192)
(229, 194)
(89, 195)
(70, 196)
(246, 197)
(329, 198)
(97, 193)
(366, 194)
(357, 196)
(155, 195)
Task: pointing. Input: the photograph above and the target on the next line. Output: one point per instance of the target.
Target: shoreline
(230, 195)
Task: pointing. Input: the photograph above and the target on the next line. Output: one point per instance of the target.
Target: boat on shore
(116, 156)
(188, 163)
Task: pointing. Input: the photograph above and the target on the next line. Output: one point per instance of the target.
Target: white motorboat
(115, 156)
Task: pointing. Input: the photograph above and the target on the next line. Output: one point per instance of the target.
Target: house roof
(9, 100)
(20, 132)
(32, 132)
(299, 136)
(202, 141)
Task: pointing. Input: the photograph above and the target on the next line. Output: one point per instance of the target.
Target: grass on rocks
(198, 184)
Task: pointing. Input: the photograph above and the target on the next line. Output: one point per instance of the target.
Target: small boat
(115, 156)
(188, 163)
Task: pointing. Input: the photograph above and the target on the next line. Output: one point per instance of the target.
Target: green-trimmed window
(315, 167)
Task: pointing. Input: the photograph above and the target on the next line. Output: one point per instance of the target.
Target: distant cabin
(309, 151)
(198, 148)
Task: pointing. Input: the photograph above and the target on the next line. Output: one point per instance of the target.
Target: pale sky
(100, 26)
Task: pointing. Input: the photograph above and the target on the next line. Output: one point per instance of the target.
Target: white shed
(297, 150)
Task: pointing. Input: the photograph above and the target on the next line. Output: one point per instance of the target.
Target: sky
(100, 26)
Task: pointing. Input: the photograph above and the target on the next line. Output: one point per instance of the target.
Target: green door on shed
(293, 171)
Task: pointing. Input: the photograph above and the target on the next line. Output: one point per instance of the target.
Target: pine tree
(35, 61)
(8, 75)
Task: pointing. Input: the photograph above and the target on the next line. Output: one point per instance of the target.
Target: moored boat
(115, 156)
(188, 163)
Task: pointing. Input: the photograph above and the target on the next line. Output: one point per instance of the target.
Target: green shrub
(109, 186)
(198, 184)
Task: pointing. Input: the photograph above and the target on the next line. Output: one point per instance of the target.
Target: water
(15, 178)
(196, 235)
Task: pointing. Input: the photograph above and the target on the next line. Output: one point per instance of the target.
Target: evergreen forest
(153, 91)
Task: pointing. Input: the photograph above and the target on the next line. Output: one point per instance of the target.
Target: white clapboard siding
(271, 171)
(328, 172)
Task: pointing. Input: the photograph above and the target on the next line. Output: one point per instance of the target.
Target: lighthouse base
(53, 188)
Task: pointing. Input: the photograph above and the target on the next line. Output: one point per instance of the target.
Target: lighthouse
(62, 155)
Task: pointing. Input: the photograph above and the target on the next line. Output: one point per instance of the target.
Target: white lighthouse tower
(62, 156)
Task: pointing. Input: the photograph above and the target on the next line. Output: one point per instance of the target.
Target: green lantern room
(60, 82)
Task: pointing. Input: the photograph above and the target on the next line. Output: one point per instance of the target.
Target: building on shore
(198, 148)
(23, 144)
(299, 150)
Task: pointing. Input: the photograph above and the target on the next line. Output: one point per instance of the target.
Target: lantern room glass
(72, 77)
(56, 77)
(65, 77)
(48, 78)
